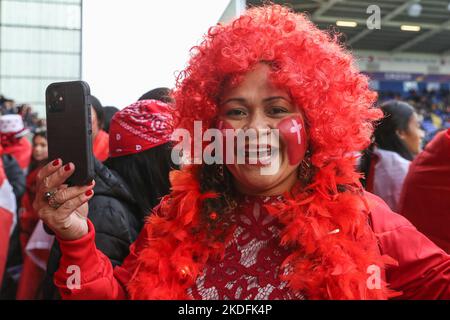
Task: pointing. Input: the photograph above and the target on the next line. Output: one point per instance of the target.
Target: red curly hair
(310, 64)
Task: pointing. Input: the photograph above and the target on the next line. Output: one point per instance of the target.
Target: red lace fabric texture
(251, 267)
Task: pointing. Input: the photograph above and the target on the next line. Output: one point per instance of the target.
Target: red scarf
(326, 265)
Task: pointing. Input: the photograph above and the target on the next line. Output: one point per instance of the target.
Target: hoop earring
(220, 173)
(306, 170)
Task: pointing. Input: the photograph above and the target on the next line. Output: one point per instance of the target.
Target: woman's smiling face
(256, 104)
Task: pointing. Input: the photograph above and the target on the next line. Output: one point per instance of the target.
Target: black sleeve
(114, 225)
(15, 175)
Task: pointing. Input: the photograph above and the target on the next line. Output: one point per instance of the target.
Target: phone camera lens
(57, 101)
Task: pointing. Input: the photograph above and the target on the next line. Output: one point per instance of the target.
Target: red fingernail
(89, 193)
(67, 167)
(55, 163)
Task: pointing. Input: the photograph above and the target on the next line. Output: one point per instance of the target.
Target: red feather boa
(325, 265)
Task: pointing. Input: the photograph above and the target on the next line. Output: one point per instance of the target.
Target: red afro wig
(310, 64)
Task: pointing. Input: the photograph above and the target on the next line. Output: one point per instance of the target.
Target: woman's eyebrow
(276, 98)
(237, 99)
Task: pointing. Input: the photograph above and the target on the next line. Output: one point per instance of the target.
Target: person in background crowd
(161, 94)
(15, 175)
(305, 230)
(398, 139)
(108, 112)
(8, 107)
(26, 113)
(14, 140)
(32, 275)
(99, 136)
(425, 198)
(130, 183)
(28, 217)
(17, 179)
(41, 123)
(8, 208)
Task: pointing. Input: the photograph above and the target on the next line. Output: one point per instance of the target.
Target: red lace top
(252, 264)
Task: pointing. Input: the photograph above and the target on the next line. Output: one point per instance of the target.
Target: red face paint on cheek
(293, 132)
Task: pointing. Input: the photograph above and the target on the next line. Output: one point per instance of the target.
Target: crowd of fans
(30, 118)
(432, 107)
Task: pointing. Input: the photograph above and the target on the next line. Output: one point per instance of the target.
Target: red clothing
(423, 270)
(101, 146)
(7, 212)
(254, 253)
(32, 275)
(35, 259)
(425, 199)
(21, 151)
(6, 221)
(30, 280)
(28, 217)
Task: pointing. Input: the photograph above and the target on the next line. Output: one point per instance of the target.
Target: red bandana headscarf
(143, 125)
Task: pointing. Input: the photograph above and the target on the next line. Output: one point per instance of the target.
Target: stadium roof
(434, 22)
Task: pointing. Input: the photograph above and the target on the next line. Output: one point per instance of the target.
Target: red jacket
(6, 221)
(28, 217)
(423, 270)
(425, 199)
(7, 211)
(21, 151)
(31, 276)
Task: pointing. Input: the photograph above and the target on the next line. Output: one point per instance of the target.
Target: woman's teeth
(262, 155)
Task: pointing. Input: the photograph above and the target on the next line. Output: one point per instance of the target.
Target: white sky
(132, 46)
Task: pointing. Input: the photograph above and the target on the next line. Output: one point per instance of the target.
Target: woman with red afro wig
(306, 231)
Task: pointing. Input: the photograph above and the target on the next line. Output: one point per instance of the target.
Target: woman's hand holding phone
(62, 208)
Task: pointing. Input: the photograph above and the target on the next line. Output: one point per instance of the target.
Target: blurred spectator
(29, 218)
(99, 136)
(432, 106)
(8, 107)
(13, 139)
(7, 216)
(16, 178)
(15, 175)
(35, 253)
(398, 139)
(27, 115)
(161, 94)
(425, 199)
(109, 112)
(41, 123)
